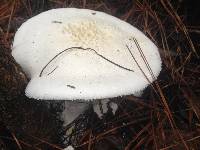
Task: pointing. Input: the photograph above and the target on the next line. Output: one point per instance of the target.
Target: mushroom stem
(100, 107)
(72, 109)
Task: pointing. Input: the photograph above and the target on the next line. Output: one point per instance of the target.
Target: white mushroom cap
(74, 53)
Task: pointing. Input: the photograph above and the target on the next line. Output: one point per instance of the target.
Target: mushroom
(82, 55)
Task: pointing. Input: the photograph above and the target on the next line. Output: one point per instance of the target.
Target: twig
(85, 49)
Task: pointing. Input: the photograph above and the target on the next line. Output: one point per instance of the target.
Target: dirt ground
(167, 115)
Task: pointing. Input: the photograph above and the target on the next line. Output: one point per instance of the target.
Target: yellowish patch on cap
(89, 33)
